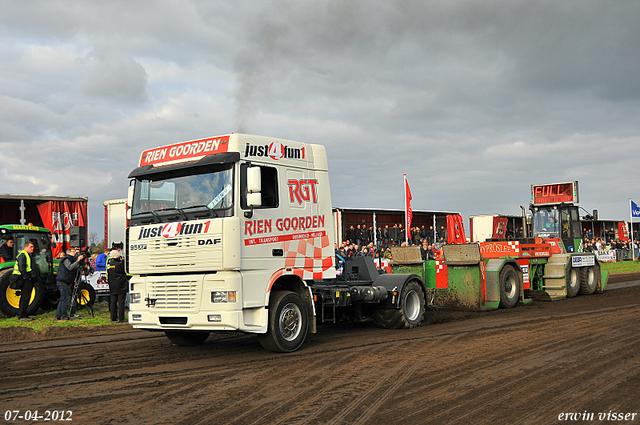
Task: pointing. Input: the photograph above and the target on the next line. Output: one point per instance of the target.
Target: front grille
(174, 294)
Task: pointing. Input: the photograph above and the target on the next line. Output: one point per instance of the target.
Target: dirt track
(525, 365)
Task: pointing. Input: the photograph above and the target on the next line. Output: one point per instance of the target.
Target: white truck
(235, 233)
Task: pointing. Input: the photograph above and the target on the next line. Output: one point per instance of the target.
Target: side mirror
(254, 187)
(254, 181)
(254, 199)
(129, 201)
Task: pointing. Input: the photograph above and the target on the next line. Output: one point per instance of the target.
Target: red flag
(499, 228)
(407, 204)
(455, 229)
(622, 232)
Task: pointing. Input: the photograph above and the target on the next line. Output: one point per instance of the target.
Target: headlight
(135, 297)
(223, 296)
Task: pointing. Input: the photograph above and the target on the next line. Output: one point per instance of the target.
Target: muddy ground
(527, 365)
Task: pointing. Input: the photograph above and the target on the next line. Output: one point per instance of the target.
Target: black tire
(187, 338)
(86, 295)
(573, 281)
(509, 287)
(411, 311)
(588, 280)
(51, 301)
(10, 298)
(288, 323)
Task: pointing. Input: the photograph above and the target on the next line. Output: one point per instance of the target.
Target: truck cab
(235, 232)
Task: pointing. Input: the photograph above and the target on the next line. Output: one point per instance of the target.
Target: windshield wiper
(148, 212)
(180, 210)
(201, 208)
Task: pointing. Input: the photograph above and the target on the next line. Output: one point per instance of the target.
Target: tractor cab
(558, 222)
(45, 291)
(42, 253)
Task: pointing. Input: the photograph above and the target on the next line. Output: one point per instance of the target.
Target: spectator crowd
(363, 240)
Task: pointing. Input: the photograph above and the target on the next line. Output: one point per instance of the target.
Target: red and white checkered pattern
(515, 246)
(442, 274)
(310, 258)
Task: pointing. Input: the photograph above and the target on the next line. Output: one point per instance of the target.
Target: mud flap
(604, 279)
(307, 297)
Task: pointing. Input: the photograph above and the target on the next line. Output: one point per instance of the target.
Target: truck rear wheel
(187, 338)
(10, 298)
(588, 280)
(411, 311)
(509, 287)
(573, 281)
(288, 323)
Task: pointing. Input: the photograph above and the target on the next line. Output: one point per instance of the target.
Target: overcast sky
(474, 101)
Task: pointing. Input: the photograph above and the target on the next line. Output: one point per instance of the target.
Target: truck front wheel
(187, 338)
(288, 323)
(410, 313)
(509, 287)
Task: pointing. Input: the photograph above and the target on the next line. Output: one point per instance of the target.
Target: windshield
(205, 192)
(545, 223)
(41, 248)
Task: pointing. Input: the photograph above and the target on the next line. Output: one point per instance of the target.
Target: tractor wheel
(573, 281)
(187, 338)
(411, 311)
(86, 295)
(288, 323)
(509, 287)
(588, 280)
(10, 298)
(51, 301)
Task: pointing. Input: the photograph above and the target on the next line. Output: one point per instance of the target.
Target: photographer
(117, 286)
(23, 278)
(65, 277)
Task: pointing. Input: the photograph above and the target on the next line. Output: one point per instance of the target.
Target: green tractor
(45, 292)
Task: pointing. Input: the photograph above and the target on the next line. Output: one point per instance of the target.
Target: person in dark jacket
(117, 286)
(6, 252)
(23, 278)
(64, 278)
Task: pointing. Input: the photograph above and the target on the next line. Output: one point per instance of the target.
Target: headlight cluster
(223, 296)
(135, 297)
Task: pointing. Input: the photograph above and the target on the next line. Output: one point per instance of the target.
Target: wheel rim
(290, 322)
(591, 278)
(83, 297)
(510, 286)
(14, 299)
(574, 278)
(412, 305)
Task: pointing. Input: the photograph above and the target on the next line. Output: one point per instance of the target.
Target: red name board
(555, 193)
(184, 151)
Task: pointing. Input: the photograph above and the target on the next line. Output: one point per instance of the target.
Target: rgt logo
(302, 190)
(275, 151)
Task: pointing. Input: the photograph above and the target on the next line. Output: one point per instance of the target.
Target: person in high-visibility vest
(23, 278)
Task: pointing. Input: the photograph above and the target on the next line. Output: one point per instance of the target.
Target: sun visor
(221, 158)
